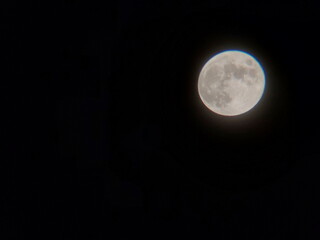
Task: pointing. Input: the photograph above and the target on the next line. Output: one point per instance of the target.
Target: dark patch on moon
(237, 72)
(221, 99)
(249, 62)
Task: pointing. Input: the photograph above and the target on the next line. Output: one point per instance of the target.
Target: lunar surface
(231, 83)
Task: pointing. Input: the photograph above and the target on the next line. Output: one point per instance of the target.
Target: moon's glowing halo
(231, 83)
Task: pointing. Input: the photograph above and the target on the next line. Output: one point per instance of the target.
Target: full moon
(231, 83)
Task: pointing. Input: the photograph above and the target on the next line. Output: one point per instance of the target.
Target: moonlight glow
(231, 83)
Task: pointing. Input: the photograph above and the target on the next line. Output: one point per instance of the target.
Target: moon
(231, 83)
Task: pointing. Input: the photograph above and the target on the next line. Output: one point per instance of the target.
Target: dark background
(105, 135)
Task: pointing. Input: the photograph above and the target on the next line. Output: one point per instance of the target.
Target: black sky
(106, 137)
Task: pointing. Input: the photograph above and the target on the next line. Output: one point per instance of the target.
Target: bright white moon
(231, 83)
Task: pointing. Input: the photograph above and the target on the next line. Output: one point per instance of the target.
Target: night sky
(105, 136)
